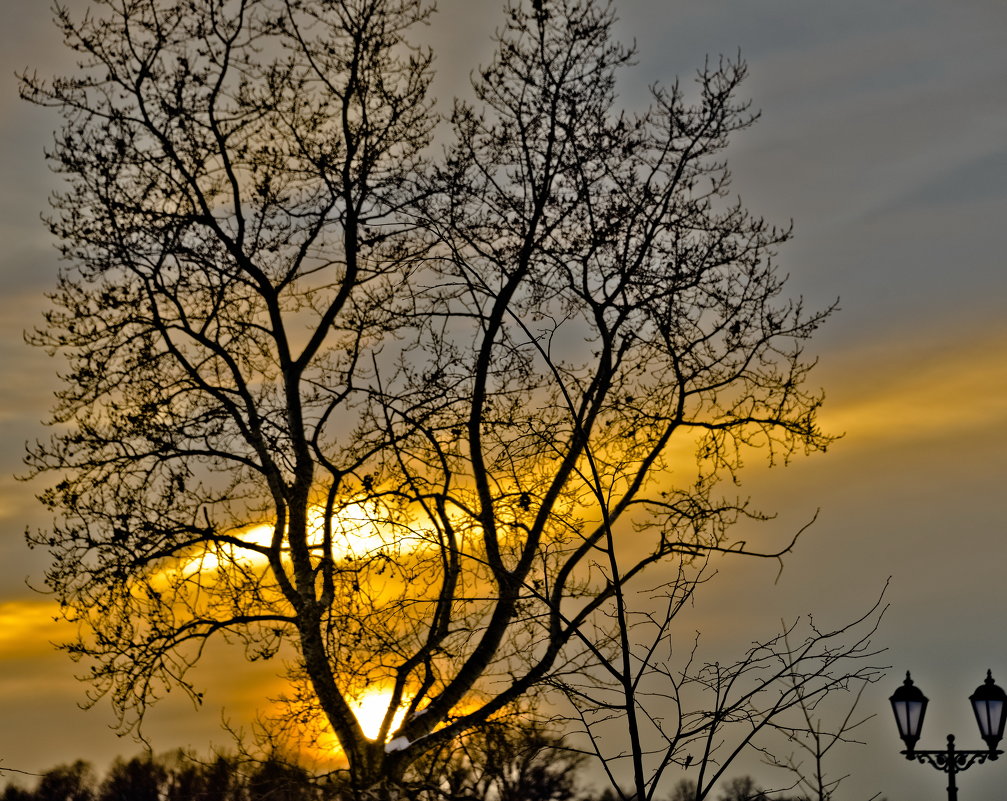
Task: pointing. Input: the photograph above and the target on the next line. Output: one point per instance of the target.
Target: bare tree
(651, 710)
(814, 736)
(411, 428)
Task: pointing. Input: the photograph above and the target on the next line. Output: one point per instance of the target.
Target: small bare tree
(411, 427)
(814, 736)
(650, 710)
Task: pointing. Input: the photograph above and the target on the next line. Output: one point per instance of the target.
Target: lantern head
(988, 703)
(909, 705)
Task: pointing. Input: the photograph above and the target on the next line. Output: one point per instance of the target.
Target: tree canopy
(401, 418)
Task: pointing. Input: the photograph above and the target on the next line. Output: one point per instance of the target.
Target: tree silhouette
(742, 788)
(13, 792)
(66, 783)
(189, 779)
(141, 778)
(276, 780)
(515, 760)
(408, 426)
(684, 790)
(510, 759)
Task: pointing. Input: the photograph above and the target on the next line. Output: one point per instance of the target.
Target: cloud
(935, 387)
(28, 628)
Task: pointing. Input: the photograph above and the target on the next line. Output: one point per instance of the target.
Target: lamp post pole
(988, 703)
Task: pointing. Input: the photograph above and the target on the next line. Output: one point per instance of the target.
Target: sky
(884, 138)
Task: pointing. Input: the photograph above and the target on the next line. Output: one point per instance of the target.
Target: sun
(355, 534)
(370, 709)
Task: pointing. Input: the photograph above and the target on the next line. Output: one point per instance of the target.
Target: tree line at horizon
(541, 772)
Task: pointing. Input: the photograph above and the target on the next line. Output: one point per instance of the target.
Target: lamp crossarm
(952, 762)
(950, 759)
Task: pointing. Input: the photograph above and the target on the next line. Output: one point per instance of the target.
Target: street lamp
(909, 705)
(988, 702)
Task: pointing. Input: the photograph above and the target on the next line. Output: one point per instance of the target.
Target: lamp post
(988, 702)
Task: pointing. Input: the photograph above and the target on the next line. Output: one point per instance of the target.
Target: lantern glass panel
(909, 718)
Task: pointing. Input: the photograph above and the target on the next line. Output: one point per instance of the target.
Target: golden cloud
(27, 628)
(919, 390)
